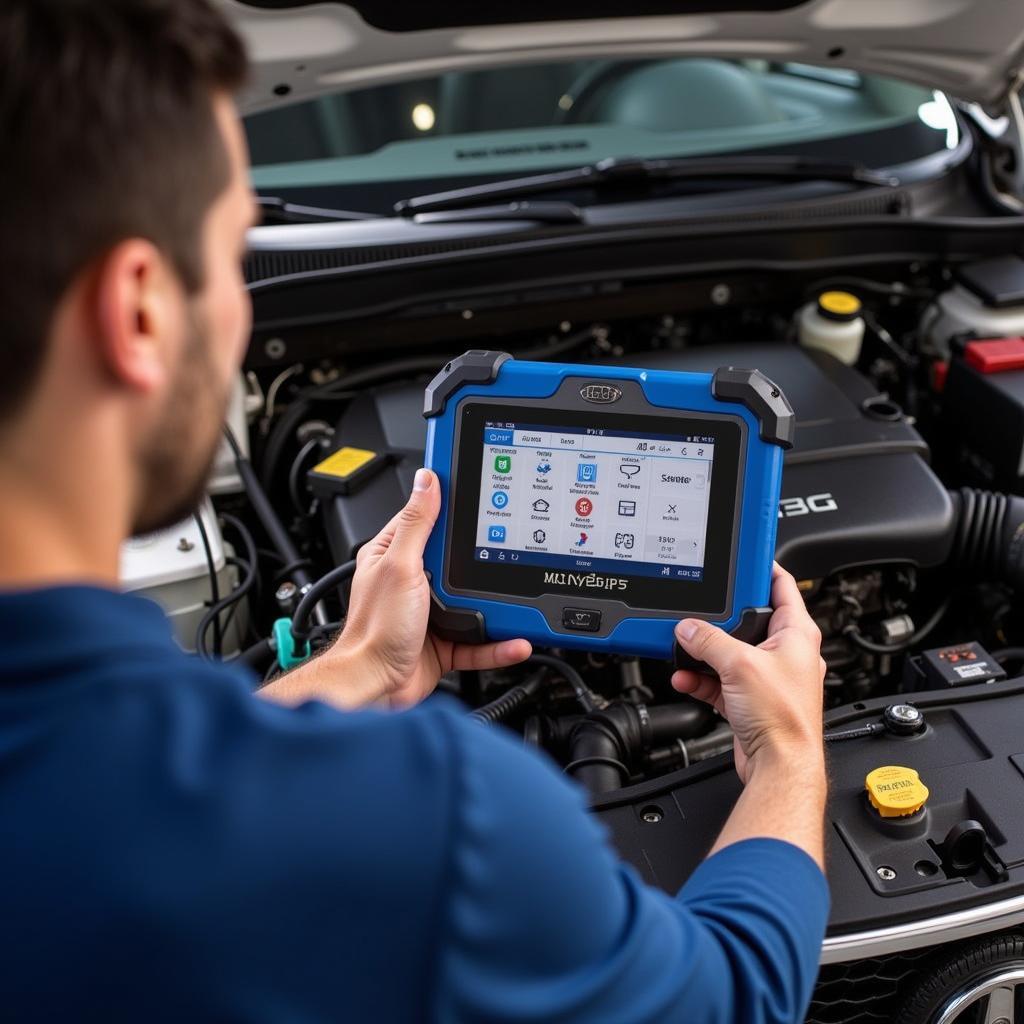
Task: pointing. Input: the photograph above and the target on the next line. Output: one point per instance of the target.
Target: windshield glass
(365, 148)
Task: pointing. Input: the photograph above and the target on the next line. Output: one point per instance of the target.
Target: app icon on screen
(629, 469)
(586, 472)
(539, 536)
(582, 540)
(496, 534)
(499, 499)
(502, 463)
(584, 507)
(624, 540)
(627, 508)
(544, 468)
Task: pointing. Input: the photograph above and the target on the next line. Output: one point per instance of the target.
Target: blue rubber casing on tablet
(740, 393)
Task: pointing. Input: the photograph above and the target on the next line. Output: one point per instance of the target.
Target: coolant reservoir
(986, 302)
(833, 324)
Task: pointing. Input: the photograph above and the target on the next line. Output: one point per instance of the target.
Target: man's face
(177, 453)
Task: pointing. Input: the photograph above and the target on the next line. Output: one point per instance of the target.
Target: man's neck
(59, 520)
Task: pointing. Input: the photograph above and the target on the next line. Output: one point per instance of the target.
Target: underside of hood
(969, 49)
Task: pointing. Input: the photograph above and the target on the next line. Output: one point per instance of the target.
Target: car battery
(983, 412)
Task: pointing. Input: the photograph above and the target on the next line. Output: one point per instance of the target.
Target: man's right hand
(771, 694)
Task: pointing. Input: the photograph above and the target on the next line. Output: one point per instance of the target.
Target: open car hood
(970, 49)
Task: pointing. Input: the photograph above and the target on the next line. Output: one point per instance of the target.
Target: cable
(872, 729)
(863, 284)
(214, 585)
(588, 700)
(296, 469)
(502, 707)
(852, 631)
(251, 566)
(268, 518)
(315, 594)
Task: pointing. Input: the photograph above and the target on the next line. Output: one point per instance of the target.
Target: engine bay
(901, 518)
(881, 519)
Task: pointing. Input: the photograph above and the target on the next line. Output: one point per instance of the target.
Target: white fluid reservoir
(833, 323)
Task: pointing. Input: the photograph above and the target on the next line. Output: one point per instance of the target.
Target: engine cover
(857, 488)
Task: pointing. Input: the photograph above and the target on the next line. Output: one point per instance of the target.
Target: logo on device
(602, 394)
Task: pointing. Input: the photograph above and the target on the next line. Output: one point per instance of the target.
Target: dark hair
(109, 133)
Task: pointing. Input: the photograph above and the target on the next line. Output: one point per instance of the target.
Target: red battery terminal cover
(995, 355)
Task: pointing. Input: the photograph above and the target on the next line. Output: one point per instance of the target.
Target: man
(176, 849)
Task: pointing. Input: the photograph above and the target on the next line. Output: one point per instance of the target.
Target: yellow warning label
(895, 791)
(344, 462)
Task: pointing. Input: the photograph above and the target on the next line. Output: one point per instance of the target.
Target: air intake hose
(989, 538)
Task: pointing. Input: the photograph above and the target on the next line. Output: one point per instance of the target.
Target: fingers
(707, 643)
(472, 658)
(790, 610)
(696, 684)
(413, 524)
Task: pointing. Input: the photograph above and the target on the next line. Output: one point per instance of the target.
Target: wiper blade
(616, 172)
(544, 212)
(280, 211)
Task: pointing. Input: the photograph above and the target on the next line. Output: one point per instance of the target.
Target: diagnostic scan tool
(593, 507)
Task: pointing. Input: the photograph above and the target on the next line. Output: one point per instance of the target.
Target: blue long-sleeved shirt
(175, 849)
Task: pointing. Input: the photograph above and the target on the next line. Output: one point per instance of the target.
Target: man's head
(125, 205)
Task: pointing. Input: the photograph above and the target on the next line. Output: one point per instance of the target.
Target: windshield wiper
(280, 211)
(614, 172)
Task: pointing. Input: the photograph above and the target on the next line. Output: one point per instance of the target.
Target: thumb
(417, 519)
(706, 642)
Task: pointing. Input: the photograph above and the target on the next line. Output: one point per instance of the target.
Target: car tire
(958, 987)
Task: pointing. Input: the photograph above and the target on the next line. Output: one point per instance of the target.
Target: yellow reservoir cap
(895, 791)
(841, 304)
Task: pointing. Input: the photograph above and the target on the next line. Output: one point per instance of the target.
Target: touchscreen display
(588, 498)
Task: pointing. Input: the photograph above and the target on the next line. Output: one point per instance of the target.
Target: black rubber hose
(596, 758)
(503, 707)
(258, 657)
(586, 697)
(989, 538)
(1008, 654)
(314, 595)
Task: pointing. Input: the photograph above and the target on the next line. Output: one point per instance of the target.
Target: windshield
(366, 148)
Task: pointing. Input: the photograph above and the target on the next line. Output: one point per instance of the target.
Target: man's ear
(138, 310)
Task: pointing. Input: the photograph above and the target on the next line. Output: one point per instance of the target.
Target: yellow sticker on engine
(895, 791)
(344, 462)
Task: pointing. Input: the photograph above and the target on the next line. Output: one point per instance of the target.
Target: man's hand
(385, 636)
(385, 654)
(771, 694)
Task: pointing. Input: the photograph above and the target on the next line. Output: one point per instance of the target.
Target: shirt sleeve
(544, 923)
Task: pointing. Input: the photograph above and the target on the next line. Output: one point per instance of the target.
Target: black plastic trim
(764, 398)
(476, 366)
(460, 625)
(752, 629)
